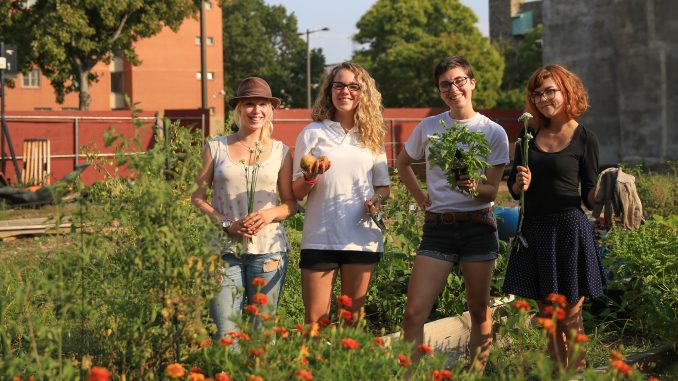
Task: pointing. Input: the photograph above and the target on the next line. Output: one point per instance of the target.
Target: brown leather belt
(484, 216)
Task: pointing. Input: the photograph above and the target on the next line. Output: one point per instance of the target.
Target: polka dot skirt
(562, 257)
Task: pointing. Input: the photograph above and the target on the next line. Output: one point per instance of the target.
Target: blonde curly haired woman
(343, 188)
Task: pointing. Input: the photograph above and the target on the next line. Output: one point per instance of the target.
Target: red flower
(222, 377)
(581, 338)
(522, 305)
(98, 373)
(205, 343)
(324, 322)
(257, 352)
(560, 314)
(252, 308)
(226, 341)
(257, 281)
(443, 374)
(254, 377)
(547, 311)
(404, 360)
(350, 343)
(379, 341)
(548, 325)
(260, 298)
(345, 301)
(559, 299)
(265, 316)
(300, 327)
(653, 379)
(196, 377)
(621, 367)
(344, 314)
(423, 348)
(614, 355)
(175, 370)
(281, 330)
(304, 374)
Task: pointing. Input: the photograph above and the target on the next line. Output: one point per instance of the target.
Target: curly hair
(576, 98)
(268, 122)
(368, 118)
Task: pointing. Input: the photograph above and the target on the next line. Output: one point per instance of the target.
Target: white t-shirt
(230, 194)
(335, 216)
(443, 197)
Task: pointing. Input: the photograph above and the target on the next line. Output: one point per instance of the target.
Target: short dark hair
(450, 63)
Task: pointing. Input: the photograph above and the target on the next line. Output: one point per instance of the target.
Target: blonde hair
(268, 122)
(368, 118)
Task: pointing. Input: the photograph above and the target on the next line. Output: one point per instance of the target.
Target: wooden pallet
(31, 226)
(36, 160)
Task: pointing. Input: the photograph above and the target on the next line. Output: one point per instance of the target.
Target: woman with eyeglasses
(458, 228)
(344, 186)
(561, 255)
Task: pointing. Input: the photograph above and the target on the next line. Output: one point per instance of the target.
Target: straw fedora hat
(253, 87)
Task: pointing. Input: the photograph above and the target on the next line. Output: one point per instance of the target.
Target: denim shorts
(314, 259)
(466, 241)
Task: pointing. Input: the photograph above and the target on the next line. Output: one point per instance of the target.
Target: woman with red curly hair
(561, 256)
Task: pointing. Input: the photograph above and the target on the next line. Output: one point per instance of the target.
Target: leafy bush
(645, 267)
(657, 189)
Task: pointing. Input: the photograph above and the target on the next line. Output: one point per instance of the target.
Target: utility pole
(5, 65)
(203, 57)
(308, 63)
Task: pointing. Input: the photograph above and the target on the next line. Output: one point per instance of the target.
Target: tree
(521, 61)
(66, 39)
(263, 40)
(407, 38)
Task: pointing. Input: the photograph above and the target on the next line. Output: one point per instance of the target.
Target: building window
(208, 39)
(118, 82)
(210, 75)
(31, 79)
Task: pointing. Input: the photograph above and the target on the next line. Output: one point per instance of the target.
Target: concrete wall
(626, 53)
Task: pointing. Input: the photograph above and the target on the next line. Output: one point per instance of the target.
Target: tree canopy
(66, 39)
(521, 60)
(405, 40)
(263, 40)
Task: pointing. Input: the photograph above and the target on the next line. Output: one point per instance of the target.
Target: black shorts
(466, 241)
(314, 259)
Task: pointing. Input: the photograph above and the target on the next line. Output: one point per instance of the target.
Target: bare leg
(572, 324)
(477, 278)
(428, 278)
(316, 290)
(355, 281)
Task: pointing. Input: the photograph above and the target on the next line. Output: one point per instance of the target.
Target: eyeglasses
(447, 85)
(339, 86)
(548, 93)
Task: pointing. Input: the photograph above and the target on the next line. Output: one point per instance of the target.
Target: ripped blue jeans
(236, 283)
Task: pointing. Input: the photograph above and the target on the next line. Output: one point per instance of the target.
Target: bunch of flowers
(251, 168)
(458, 152)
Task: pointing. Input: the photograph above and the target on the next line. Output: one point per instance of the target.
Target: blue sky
(336, 43)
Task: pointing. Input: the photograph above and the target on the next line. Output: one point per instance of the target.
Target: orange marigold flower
(257, 352)
(252, 308)
(560, 314)
(313, 330)
(404, 360)
(621, 367)
(257, 281)
(17, 378)
(233, 334)
(344, 314)
(265, 316)
(581, 338)
(243, 336)
(304, 374)
(226, 341)
(522, 305)
(260, 298)
(175, 370)
(197, 370)
(205, 343)
(222, 377)
(423, 348)
(443, 374)
(324, 322)
(614, 355)
(98, 373)
(281, 331)
(303, 360)
(196, 377)
(303, 351)
(561, 300)
(547, 312)
(652, 379)
(254, 377)
(350, 343)
(345, 301)
(548, 325)
(379, 341)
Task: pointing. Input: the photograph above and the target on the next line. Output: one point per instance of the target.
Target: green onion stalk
(525, 140)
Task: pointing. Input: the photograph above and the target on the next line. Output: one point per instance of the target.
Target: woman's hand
(523, 177)
(464, 183)
(373, 204)
(424, 202)
(255, 221)
(320, 166)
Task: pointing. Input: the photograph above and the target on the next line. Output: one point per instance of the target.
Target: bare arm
(380, 194)
(302, 186)
(407, 176)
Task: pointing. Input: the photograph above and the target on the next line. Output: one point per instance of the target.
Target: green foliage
(657, 189)
(407, 38)
(645, 267)
(66, 39)
(459, 152)
(262, 40)
(521, 61)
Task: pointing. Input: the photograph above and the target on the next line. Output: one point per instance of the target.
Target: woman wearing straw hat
(250, 175)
